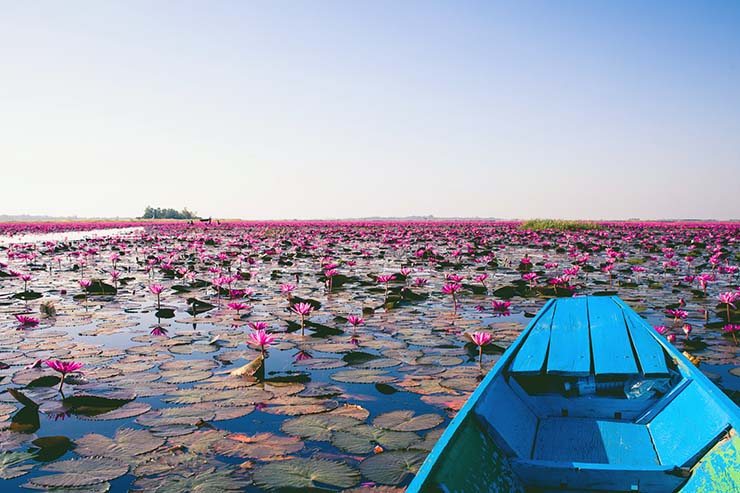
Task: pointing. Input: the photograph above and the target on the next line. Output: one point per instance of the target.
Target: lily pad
(305, 473)
(393, 467)
(81, 472)
(363, 438)
(407, 421)
(318, 426)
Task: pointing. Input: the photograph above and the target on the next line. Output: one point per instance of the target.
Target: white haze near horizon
(332, 109)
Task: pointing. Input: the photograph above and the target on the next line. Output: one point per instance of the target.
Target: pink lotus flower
(158, 330)
(85, 283)
(671, 338)
(452, 288)
(302, 355)
(686, 330)
(63, 367)
(260, 338)
(27, 321)
(454, 278)
(302, 309)
(157, 290)
(405, 272)
(731, 329)
(238, 306)
(480, 339)
(728, 299)
(420, 281)
(531, 277)
(661, 329)
(354, 321)
(288, 289)
(258, 325)
(385, 279)
(501, 306)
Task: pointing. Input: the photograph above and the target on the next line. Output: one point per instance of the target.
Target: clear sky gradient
(334, 109)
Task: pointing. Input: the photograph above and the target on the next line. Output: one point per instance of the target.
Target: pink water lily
(480, 339)
(158, 330)
(258, 325)
(452, 288)
(501, 306)
(354, 321)
(731, 329)
(385, 279)
(260, 338)
(238, 306)
(63, 367)
(729, 298)
(531, 277)
(302, 309)
(157, 289)
(288, 289)
(27, 321)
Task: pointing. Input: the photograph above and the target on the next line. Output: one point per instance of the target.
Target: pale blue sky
(320, 109)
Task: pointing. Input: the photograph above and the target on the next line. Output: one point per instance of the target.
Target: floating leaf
(393, 467)
(262, 446)
(319, 426)
(407, 421)
(81, 472)
(207, 481)
(362, 376)
(305, 473)
(12, 464)
(363, 438)
(127, 442)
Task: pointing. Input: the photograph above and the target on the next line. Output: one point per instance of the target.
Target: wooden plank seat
(589, 336)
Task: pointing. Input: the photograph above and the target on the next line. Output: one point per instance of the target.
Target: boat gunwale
(687, 369)
(463, 414)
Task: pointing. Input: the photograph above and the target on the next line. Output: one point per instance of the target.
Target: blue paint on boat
(589, 399)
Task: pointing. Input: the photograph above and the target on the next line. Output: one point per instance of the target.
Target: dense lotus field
(305, 356)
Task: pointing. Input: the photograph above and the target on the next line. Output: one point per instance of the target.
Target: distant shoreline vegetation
(159, 213)
(560, 225)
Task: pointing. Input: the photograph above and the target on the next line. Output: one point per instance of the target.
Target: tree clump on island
(160, 213)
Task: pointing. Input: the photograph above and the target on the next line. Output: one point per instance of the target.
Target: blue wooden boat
(589, 399)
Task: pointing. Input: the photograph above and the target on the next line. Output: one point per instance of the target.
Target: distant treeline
(159, 213)
(558, 224)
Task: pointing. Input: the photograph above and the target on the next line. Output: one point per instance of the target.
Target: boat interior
(592, 401)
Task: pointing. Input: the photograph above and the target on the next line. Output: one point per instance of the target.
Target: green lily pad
(126, 443)
(363, 438)
(81, 472)
(305, 473)
(12, 464)
(392, 468)
(318, 426)
(406, 421)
